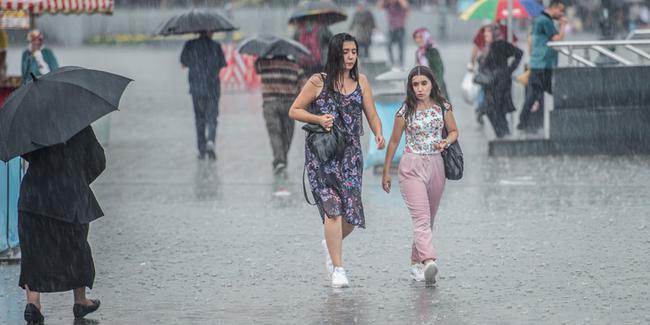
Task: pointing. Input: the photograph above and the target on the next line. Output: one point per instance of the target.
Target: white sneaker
(328, 260)
(339, 279)
(430, 272)
(417, 272)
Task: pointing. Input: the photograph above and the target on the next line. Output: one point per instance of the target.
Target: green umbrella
(498, 10)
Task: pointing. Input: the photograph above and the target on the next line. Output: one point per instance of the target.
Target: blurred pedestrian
(421, 170)
(497, 101)
(396, 12)
(281, 81)
(362, 26)
(204, 58)
(479, 43)
(338, 98)
(428, 55)
(480, 49)
(315, 36)
(37, 60)
(55, 209)
(542, 61)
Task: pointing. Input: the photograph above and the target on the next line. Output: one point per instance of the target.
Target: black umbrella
(196, 21)
(270, 45)
(56, 106)
(324, 12)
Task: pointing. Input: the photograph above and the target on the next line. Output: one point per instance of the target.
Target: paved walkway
(544, 240)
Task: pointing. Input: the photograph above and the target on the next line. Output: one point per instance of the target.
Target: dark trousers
(396, 37)
(280, 128)
(540, 81)
(206, 111)
(499, 123)
(364, 50)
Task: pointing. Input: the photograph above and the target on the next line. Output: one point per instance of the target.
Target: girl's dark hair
(335, 65)
(411, 100)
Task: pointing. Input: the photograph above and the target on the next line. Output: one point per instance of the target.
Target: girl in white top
(421, 170)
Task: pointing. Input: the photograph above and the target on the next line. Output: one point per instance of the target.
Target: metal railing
(608, 49)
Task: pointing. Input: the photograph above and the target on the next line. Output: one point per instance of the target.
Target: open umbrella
(56, 106)
(324, 12)
(271, 45)
(498, 10)
(196, 21)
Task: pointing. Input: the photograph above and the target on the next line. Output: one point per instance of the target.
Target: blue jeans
(206, 111)
(396, 37)
(9, 189)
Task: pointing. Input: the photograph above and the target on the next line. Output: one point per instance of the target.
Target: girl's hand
(326, 121)
(442, 145)
(385, 182)
(380, 142)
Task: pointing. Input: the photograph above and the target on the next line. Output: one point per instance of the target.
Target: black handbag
(452, 156)
(484, 77)
(325, 144)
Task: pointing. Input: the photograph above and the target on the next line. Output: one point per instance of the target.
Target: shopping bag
(469, 89)
(523, 78)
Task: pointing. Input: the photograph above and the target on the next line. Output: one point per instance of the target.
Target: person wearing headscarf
(428, 55)
(37, 60)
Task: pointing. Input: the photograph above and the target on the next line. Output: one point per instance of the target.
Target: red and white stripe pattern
(38, 7)
(239, 74)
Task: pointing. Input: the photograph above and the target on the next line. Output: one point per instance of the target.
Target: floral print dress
(336, 185)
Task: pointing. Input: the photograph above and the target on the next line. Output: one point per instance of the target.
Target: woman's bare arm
(307, 95)
(370, 110)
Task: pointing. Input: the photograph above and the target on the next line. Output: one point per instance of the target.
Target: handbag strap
(444, 125)
(335, 96)
(304, 187)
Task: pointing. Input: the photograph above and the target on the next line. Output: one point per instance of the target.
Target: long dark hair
(335, 65)
(411, 101)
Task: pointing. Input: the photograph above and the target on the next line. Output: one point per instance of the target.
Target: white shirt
(43, 67)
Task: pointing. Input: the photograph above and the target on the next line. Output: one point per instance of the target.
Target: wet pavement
(540, 240)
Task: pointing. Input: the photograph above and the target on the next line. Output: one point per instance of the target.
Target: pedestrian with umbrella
(282, 79)
(495, 11)
(312, 19)
(204, 58)
(47, 123)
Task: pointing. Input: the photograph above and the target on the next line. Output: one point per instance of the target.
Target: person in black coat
(55, 208)
(205, 59)
(496, 73)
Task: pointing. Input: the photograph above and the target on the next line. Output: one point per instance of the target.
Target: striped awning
(38, 7)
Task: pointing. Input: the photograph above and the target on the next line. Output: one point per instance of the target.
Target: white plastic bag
(469, 89)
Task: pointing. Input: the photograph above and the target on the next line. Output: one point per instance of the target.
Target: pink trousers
(421, 181)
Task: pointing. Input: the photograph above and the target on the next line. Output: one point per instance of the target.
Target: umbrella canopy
(56, 106)
(271, 45)
(324, 12)
(196, 21)
(498, 10)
